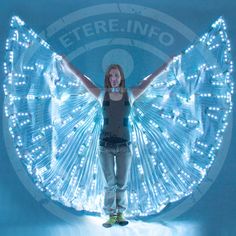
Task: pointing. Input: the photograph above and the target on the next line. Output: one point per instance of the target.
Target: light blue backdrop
(215, 212)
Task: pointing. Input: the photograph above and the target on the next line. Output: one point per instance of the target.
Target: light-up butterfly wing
(53, 120)
(178, 123)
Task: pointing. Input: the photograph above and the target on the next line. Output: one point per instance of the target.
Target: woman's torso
(116, 111)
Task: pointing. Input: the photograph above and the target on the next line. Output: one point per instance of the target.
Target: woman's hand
(170, 59)
(64, 59)
(57, 56)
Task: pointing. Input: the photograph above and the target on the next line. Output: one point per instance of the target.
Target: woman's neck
(116, 90)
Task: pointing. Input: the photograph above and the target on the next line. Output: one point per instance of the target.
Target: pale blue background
(21, 214)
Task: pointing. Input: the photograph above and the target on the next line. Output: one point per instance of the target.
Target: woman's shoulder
(130, 95)
(101, 95)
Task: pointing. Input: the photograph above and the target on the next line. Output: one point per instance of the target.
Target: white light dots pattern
(176, 125)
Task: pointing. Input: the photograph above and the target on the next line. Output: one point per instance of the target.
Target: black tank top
(115, 113)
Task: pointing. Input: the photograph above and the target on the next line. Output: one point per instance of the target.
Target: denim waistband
(109, 144)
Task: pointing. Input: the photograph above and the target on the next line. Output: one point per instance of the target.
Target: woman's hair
(107, 83)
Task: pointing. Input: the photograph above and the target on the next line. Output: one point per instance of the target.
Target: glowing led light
(55, 123)
(165, 97)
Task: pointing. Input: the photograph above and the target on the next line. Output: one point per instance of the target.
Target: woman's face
(114, 77)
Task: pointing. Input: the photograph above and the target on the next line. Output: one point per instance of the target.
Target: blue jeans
(115, 199)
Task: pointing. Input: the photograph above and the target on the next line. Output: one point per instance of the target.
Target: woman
(115, 138)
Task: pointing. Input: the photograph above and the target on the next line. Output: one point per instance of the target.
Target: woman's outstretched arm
(138, 90)
(86, 81)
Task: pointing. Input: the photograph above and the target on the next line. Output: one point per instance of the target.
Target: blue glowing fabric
(176, 125)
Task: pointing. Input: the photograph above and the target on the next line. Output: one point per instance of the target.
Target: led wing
(178, 123)
(53, 120)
